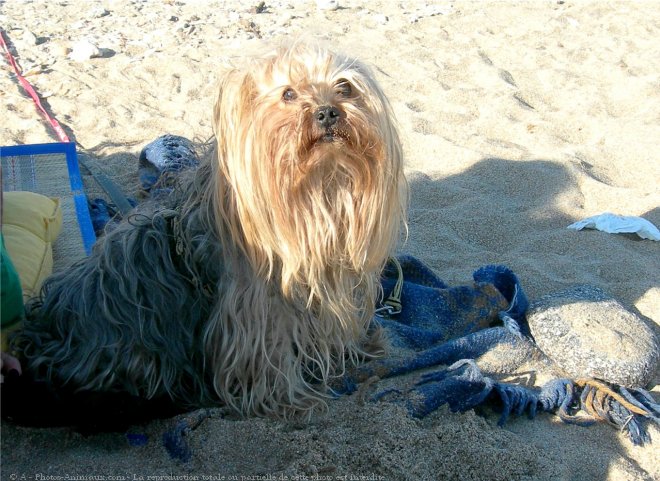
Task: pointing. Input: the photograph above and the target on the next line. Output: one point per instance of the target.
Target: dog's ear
(234, 105)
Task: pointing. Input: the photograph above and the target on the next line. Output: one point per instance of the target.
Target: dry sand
(517, 119)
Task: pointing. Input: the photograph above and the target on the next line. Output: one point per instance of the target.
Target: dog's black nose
(326, 116)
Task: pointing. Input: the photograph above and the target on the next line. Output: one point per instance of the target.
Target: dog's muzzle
(326, 116)
(326, 119)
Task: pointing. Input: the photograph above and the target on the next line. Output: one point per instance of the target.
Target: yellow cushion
(30, 224)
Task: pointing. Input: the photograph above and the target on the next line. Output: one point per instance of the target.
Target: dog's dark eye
(289, 95)
(344, 88)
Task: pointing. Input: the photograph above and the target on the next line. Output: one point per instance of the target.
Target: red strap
(28, 88)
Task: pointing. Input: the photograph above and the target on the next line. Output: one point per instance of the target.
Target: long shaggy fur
(256, 280)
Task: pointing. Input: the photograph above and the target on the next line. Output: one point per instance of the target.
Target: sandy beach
(517, 119)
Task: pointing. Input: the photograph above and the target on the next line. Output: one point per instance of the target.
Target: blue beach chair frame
(75, 181)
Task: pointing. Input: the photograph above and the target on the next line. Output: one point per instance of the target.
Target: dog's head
(310, 166)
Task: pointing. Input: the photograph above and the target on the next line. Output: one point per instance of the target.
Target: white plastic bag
(617, 224)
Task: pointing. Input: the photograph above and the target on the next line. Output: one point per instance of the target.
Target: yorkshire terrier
(255, 281)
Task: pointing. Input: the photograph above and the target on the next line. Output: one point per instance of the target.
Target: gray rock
(84, 50)
(327, 4)
(587, 333)
(98, 12)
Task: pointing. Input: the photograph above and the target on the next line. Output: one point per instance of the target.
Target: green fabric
(11, 309)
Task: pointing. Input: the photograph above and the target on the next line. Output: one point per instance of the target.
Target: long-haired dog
(255, 281)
